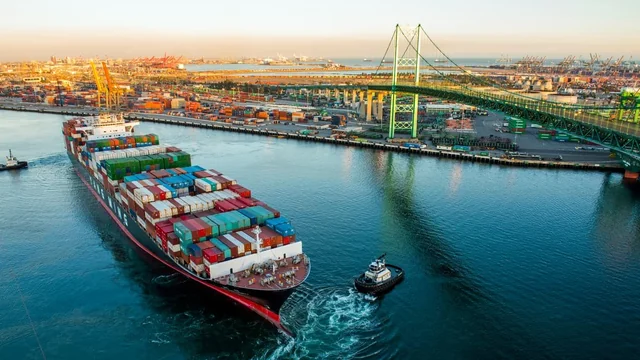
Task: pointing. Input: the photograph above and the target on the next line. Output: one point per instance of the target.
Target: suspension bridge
(614, 125)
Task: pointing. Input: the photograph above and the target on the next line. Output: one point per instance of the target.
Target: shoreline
(364, 143)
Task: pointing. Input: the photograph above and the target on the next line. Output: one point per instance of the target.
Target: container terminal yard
(582, 113)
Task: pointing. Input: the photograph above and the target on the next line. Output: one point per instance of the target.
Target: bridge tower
(413, 42)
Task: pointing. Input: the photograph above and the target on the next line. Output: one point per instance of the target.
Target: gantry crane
(114, 92)
(110, 93)
(102, 91)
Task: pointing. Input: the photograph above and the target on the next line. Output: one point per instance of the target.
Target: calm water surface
(501, 262)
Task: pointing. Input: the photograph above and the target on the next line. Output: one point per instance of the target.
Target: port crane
(109, 91)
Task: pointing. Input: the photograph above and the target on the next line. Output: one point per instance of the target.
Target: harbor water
(501, 263)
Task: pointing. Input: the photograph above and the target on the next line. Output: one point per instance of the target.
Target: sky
(37, 29)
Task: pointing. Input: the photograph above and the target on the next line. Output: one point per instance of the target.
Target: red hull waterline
(267, 314)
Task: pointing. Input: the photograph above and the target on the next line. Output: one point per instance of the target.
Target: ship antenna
(257, 231)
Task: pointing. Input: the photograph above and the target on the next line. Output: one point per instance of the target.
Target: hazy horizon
(37, 29)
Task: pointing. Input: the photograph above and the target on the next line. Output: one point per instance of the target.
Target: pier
(362, 143)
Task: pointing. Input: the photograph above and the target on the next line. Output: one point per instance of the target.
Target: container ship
(199, 222)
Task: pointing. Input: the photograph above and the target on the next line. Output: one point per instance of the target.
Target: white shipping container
(211, 197)
(192, 204)
(203, 185)
(233, 182)
(141, 221)
(237, 243)
(229, 194)
(167, 194)
(143, 194)
(209, 201)
(173, 247)
(187, 206)
(198, 268)
(254, 244)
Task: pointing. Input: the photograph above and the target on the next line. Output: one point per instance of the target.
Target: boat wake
(53, 159)
(333, 323)
(169, 279)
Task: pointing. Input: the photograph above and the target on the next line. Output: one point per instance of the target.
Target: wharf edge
(363, 144)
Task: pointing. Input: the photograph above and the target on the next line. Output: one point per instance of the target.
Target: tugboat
(13, 163)
(379, 279)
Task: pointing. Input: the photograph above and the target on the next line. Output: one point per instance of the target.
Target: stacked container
(516, 126)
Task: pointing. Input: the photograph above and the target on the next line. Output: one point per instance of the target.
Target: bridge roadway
(597, 124)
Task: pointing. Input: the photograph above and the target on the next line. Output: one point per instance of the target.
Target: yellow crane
(113, 91)
(102, 91)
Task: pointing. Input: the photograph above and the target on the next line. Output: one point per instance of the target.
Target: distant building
(32, 80)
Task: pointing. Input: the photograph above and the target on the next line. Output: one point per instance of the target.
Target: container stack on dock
(516, 125)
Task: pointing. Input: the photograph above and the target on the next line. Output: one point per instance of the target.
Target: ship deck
(287, 275)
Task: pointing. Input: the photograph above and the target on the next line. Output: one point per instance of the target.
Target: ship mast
(257, 231)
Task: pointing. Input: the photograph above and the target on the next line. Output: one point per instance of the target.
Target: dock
(362, 143)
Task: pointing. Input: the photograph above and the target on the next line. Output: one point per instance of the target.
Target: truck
(414, 145)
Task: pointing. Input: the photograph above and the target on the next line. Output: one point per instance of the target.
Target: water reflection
(618, 208)
(406, 222)
(456, 178)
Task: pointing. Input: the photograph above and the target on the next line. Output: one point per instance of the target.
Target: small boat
(380, 278)
(13, 163)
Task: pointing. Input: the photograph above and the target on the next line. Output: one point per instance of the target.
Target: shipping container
(222, 247)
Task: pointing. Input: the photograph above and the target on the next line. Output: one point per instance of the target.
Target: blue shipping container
(252, 217)
(272, 223)
(285, 230)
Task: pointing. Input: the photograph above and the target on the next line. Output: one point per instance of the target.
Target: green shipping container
(222, 227)
(182, 232)
(117, 169)
(176, 159)
(215, 230)
(222, 247)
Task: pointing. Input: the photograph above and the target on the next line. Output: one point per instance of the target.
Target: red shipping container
(274, 237)
(151, 210)
(131, 186)
(204, 245)
(234, 249)
(213, 255)
(159, 174)
(242, 191)
(205, 174)
(160, 225)
(172, 239)
(179, 171)
(139, 211)
(186, 217)
(177, 205)
(224, 206)
(236, 203)
(206, 213)
(195, 260)
(150, 229)
(193, 229)
(246, 201)
(164, 231)
(158, 194)
(286, 240)
(223, 182)
(175, 254)
(204, 228)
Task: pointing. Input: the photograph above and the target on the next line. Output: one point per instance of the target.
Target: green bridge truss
(616, 127)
